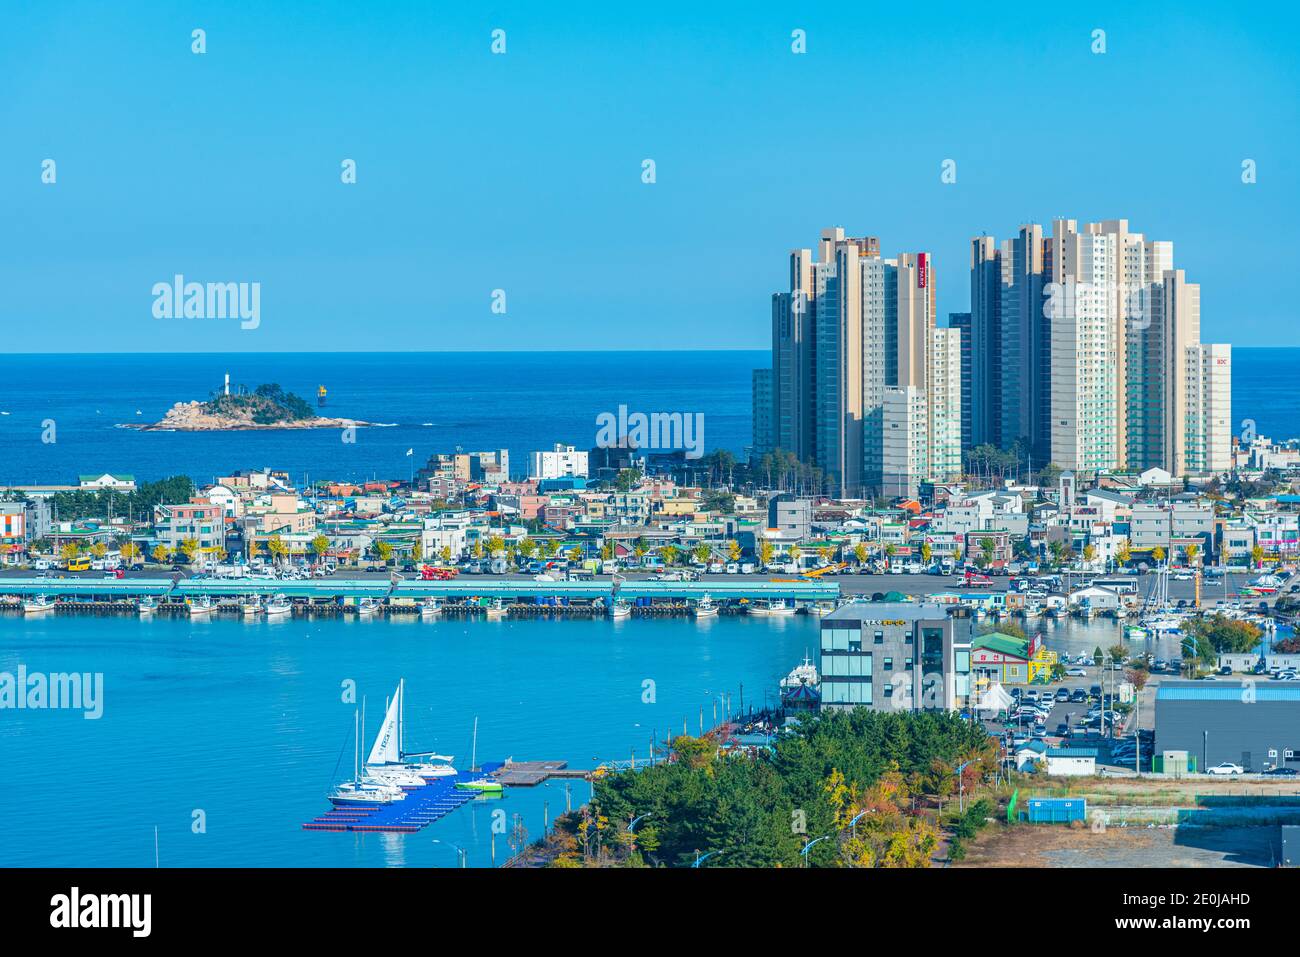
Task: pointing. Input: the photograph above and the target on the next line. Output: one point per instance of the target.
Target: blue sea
(430, 402)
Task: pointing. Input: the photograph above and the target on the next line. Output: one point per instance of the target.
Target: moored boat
(146, 605)
(481, 785)
(705, 608)
(279, 607)
(201, 606)
(496, 610)
(38, 605)
(430, 609)
(769, 607)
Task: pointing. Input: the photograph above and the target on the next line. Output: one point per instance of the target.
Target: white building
(118, 483)
(906, 441)
(563, 461)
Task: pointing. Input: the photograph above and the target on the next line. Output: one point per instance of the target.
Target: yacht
(279, 607)
(361, 794)
(481, 785)
(201, 606)
(386, 762)
(1136, 633)
(37, 605)
(705, 608)
(770, 607)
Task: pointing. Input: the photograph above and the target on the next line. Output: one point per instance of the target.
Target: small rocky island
(266, 407)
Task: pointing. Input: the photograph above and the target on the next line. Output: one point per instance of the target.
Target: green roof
(113, 475)
(1002, 644)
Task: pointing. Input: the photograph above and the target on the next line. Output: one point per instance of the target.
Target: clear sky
(522, 171)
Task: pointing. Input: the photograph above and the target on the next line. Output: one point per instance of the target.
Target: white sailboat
(359, 792)
(38, 605)
(386, 762)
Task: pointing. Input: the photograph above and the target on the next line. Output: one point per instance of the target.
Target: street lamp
(461, 853)
(854, 823)
(808, 847)
(701, 858)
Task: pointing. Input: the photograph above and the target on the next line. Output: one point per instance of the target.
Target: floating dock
(420, 808)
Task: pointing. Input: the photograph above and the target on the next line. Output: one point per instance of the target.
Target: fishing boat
(146, 606)
(804, 674)
(705, 608)
(819, 608)
(201, 606)
(1136, 633)
(366, 607)
(770, 607)
(1031, 611)
(358, 792)
(252, 608)
(430, 609)
(1121, 612)
(279, 607)
(496, 610)
(978, 613)
(620, 609)
(38, 605)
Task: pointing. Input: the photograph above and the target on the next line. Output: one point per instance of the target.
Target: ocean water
(247, 724)
(432, 402)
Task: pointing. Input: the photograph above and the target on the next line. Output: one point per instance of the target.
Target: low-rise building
(895, 656)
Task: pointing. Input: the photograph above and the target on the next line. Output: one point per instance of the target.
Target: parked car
(1062, 694)
(1281, 772)
(1227, 767)
(1076, 673)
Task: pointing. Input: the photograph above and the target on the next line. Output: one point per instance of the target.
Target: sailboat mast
(401, 718)
(473, 753)
(356, 746)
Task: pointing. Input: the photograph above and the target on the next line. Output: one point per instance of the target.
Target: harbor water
(226, 736)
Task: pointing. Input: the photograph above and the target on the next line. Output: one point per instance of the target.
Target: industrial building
(1255, 724)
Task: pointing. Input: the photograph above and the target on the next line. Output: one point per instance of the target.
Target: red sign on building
(922, 269)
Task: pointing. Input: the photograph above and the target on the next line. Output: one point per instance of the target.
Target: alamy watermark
(179, 299)
(665, 431)
(64, 691)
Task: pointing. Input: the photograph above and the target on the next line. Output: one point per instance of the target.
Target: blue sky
(522, 172)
